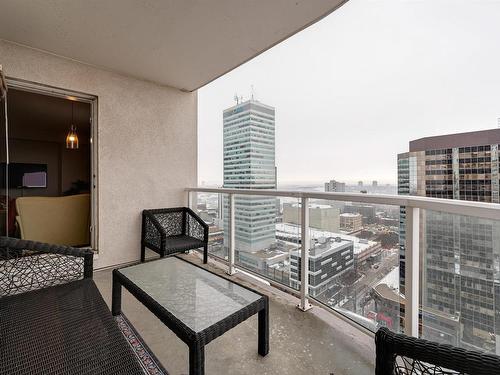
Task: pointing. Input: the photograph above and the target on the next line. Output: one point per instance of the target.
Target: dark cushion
(183, 242)
(66, 329)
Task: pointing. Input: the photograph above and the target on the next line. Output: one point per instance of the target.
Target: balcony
(312, 329)
(338, 267)
(315, 342)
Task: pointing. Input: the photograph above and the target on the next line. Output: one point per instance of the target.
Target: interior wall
(75, 165)
(39, 152)
(147, 143)
(64, 167)
(38, 125)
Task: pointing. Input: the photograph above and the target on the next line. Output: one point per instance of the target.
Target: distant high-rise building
(335, 186)
(249, 163)
(460, 254)
(374, 183)
(360, 183)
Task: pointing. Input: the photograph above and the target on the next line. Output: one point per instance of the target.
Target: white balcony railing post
(412, 251)
(191, 202)
(230, 254)
(304, 256)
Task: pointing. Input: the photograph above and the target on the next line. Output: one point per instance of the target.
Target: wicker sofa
(398, 354)
(171, 230)
(53, 320)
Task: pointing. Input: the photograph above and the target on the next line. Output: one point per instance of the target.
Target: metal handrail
(453, 206)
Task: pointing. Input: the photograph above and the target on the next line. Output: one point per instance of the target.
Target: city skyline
(396, 71)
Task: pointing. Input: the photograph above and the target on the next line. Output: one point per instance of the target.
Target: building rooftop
(391, 279)
(293, 232)
(388, 287)
(469, 139)
(349, 214)
(311, 205)
(387, 293)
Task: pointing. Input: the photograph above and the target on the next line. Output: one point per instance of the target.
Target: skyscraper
(249, 163)
(460, 276)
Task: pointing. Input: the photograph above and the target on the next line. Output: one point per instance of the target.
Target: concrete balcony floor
(312, 342)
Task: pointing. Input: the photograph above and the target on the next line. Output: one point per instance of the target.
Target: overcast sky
(351, 91)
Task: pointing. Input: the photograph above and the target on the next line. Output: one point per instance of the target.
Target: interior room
(46, 186)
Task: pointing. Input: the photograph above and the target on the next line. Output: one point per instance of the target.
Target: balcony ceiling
(183, 44)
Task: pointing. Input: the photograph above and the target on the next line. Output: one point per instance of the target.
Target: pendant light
(72, 137)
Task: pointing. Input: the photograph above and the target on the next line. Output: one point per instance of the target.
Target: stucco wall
(147, 139)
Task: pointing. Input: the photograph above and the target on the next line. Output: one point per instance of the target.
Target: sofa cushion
(66, 329)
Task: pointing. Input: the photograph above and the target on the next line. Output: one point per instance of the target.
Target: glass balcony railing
(209, 206)
(423, 266)
(354, 260)
(460, 280)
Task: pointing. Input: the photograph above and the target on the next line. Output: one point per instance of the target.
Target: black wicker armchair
(53, 320)
(171, 230)
(402, 355)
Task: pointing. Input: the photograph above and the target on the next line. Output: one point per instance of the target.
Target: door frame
(40, 88)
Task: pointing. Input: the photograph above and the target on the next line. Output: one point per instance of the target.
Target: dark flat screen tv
(24, 175)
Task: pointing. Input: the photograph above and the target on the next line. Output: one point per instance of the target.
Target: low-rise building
(364, 250)
(367, 211)
(351, 222)
(329, 258)
(321, 216)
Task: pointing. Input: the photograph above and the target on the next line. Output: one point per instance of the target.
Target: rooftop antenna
(236, 98)
(251, 86)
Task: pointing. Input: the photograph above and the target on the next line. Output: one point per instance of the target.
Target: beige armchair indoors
(56, 220)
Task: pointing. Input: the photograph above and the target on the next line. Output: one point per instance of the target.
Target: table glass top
(196, 297)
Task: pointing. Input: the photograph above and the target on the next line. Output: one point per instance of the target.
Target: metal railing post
(304, 255)
(190, 202)
(230, 254)
(412, 252)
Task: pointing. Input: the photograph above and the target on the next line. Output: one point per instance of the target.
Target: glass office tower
(249, 163)
(460, 270)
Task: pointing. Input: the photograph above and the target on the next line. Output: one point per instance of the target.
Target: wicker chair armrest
(154, 220)
(198, 220)
(17, 244)
(29, 265)
(423, 353)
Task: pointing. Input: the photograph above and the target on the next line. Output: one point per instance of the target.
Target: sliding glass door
(48, 168)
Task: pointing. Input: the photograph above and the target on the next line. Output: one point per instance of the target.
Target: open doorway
(47, 176)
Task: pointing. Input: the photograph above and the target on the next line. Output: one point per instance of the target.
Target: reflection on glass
(460, 276)
(261, 245)
(209, 207)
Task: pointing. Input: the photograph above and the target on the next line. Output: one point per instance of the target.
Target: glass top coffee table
(196, 304)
